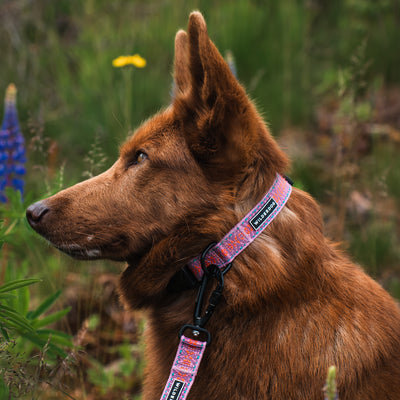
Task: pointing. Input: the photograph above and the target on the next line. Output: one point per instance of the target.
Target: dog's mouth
(80, 253)
(94, 252)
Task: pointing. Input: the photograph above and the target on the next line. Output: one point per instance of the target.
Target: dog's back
(293, 304)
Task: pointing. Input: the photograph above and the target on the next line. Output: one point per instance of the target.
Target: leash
(213, 264)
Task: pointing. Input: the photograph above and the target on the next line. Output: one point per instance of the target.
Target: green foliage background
(75, 109)
(59, 55)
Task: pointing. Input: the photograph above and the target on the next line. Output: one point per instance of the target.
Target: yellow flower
(135, 60)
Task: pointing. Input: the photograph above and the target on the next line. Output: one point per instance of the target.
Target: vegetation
(326, 77)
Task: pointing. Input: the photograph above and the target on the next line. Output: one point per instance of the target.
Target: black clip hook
(212, 271)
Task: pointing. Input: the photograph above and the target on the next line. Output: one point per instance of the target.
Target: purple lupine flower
(12, 147)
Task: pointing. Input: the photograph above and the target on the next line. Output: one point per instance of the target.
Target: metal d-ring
(204, 255)
(203, 260)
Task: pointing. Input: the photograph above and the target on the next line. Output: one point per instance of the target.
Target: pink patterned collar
(240, 236)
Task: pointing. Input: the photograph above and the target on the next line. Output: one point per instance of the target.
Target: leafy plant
(29, 344)
(22, 333)
(10, 319)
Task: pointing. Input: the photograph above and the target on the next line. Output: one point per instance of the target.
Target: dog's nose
(35, 212)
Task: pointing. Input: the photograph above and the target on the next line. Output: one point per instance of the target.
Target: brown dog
(293, 304)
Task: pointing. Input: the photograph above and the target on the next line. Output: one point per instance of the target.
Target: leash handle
(184, 369)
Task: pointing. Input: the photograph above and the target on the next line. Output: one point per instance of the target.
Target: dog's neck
(189, 276)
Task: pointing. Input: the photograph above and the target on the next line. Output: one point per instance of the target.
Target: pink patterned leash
(184, 369)
(210, 265)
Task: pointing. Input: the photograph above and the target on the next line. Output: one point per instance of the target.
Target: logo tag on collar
(176, 390)
(263, 214)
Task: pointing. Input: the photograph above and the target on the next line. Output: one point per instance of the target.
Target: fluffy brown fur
(293, 304)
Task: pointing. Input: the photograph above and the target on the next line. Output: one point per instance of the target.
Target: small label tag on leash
(176, 390)
(266, 210)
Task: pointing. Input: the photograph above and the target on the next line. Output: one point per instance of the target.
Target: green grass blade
(54, 332)
(4, 333)
(44, 306)
(6, 296)
(57, 337)
(39, 323)
(13, 285)
(53, 350)
(8, 317)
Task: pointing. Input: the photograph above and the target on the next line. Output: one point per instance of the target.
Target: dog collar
(244, 233)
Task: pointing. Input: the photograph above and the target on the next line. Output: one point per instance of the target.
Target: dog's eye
(139, 158)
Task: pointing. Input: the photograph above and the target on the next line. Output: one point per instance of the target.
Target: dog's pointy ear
(221, 126)
(182, 77)
(208, 98)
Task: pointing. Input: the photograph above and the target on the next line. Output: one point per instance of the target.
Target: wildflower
(12, 147)
(135, 60)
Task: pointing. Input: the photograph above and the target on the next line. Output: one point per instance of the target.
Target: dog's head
(182, 180)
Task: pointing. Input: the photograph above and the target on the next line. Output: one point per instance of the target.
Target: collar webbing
(242, 234)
